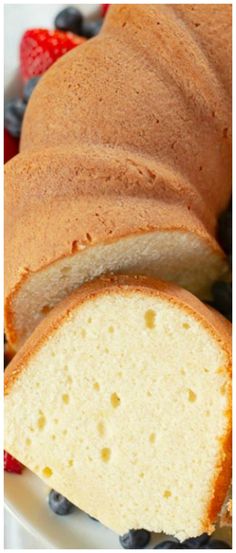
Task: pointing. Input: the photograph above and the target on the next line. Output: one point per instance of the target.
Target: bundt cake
(136, 432)
(125, 161)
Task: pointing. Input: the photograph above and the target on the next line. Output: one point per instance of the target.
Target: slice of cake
(120, 400)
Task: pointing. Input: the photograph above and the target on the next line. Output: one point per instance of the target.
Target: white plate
(26, 495)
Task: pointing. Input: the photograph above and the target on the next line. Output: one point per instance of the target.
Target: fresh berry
(11, 146)
(89, 29)
(29, 87)
(13, 116)
(222, 298)
(195, 543)
(104, 8)
(11, 464)
(216, 544)
(225, 230)
(59, 504)
(168, 544)
(135, 539)
(40, 48)
(69, 19)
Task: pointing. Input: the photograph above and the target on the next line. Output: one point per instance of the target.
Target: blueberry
(69, 19)
(225, 230)
(89, 29)
(168, 544)
(13, 116)
(222, 298)
(29, 87)
(59, 504)
(216, 544)
(135, 539)
(195, 543)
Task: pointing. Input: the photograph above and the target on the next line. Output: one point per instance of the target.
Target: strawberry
(40, 48)
(104, 8)
(11, 146)
(11, 464)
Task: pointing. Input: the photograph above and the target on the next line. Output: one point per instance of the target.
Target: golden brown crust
(148, 150)
(219, 327)
(216, 323)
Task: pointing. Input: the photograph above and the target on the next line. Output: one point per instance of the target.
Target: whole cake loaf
(121, 401)
(125, 161)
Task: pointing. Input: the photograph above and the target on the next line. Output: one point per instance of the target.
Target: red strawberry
(11, 146)
(104, 8)
(11, 464)
(40, 48)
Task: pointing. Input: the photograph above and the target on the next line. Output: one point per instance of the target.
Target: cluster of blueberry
(71, 19)
(138, 539)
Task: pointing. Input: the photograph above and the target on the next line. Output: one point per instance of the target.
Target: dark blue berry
(13, 116)
(135, 539)
(89, 29)
(59, 504)
(216, 544)
(29, 87)
(225, 231)
(168, 544)
(222, 298)
(69, 19)
(195, 543)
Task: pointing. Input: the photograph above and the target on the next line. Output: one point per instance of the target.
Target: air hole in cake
(89, 320)
(47, 472)
(37, 384)
(69, 379)
(96, 386)
(191, 396)
(225, 132)
(111, 329)
(186, 325)
(206, 370)
(89, 237)
(106, 350)
(28, 441)
(120, 374)
(149, 394)
(149, 318)
(115, 400)
(65, 398)
(64, 432)
(46, 309)
(83, 333)
(53, 354)
(53, 437)
(74, 246)
(152, 438)
(70, 462)
(105, 454)
(101, 428)
(41, 421)
(167, 494)
(182, 371)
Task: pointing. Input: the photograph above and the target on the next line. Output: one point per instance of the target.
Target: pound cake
(120, 400)
(125, 161)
